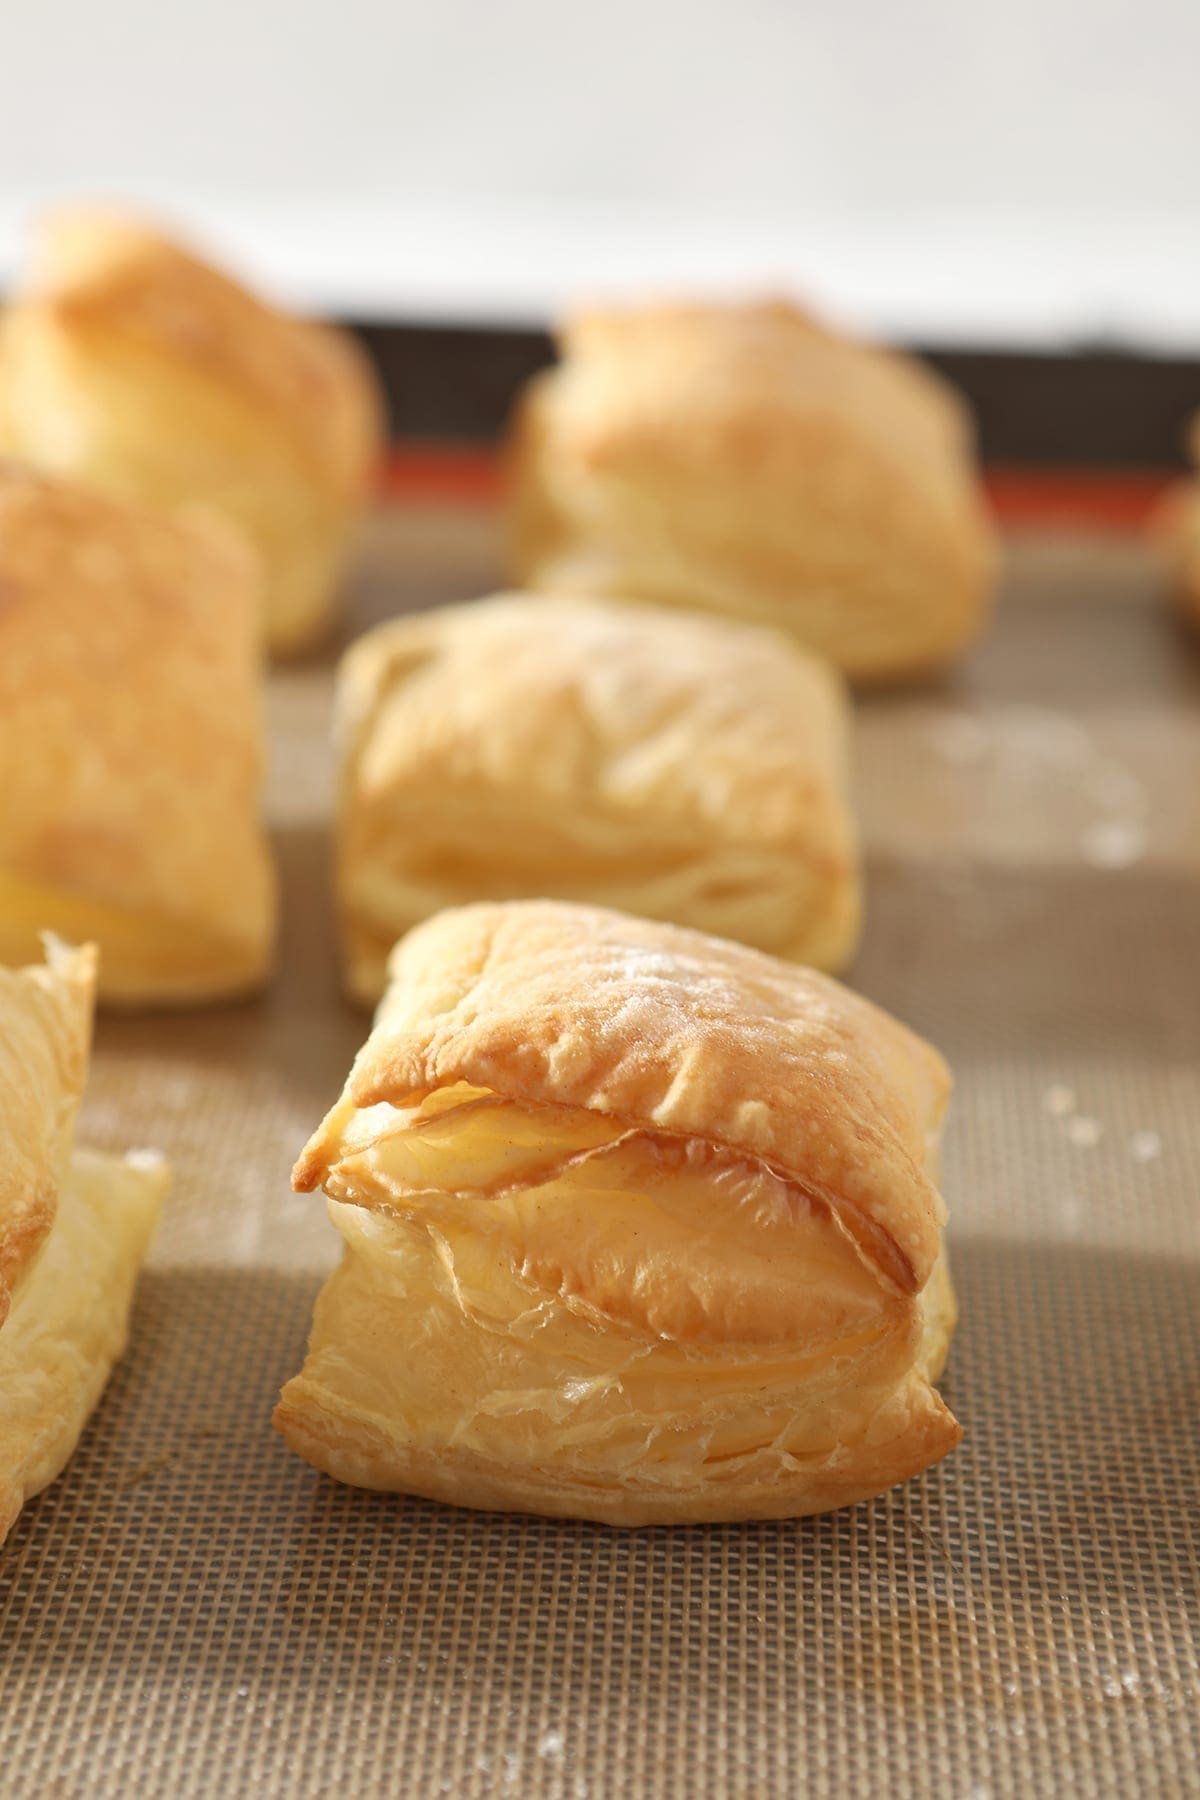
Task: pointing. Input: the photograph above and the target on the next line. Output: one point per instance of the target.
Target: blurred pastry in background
(673, 766)
(1178, 530)
(74, 1228)
(130, 365)
(746, 460)
(131, 744)
(640, 1226)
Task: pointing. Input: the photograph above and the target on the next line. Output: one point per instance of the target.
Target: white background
(972, 169)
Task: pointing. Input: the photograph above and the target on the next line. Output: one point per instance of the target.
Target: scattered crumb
(1144, 1146)
(143, 1472)
(1115, 843)
(1036, 735)
(1126, 1682)
(1083, 1131)
(1059, 1101)
(152, 1465)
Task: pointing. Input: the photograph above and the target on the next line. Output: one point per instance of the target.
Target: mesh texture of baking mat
(190, 1611)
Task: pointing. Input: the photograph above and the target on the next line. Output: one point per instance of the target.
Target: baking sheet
(193, 1612)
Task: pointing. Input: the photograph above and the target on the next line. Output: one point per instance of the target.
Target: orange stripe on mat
(1119, 499)
(441, 472)
(1116, 500)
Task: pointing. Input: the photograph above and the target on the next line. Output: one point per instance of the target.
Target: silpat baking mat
(191, 1611)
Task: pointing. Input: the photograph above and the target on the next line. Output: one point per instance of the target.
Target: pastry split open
(681, 768)
(640, 1226)
(74, 1228)
(130, 745)
(745, 460)
(130, 365)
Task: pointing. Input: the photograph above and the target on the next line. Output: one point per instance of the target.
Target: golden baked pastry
(745, 460)
(674, 766)
(1179, 531)
(74, 1228)
(130, 365)
(640, 1226)
(130, 745)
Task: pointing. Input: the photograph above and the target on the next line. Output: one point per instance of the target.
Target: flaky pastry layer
(581, 1277)
(150, 960)
(679, 768)
(748, 462)
(640, 1329)
(131, 748)
(45, 1036)
(70, 1321)
(131, 365)
(74, 1228)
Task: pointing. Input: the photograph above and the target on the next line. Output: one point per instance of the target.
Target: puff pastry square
(129, 364)
(130, 745)
(1179, 531)
(640, 1226)
(746, 460)
(678, 767)
(74, 1229)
